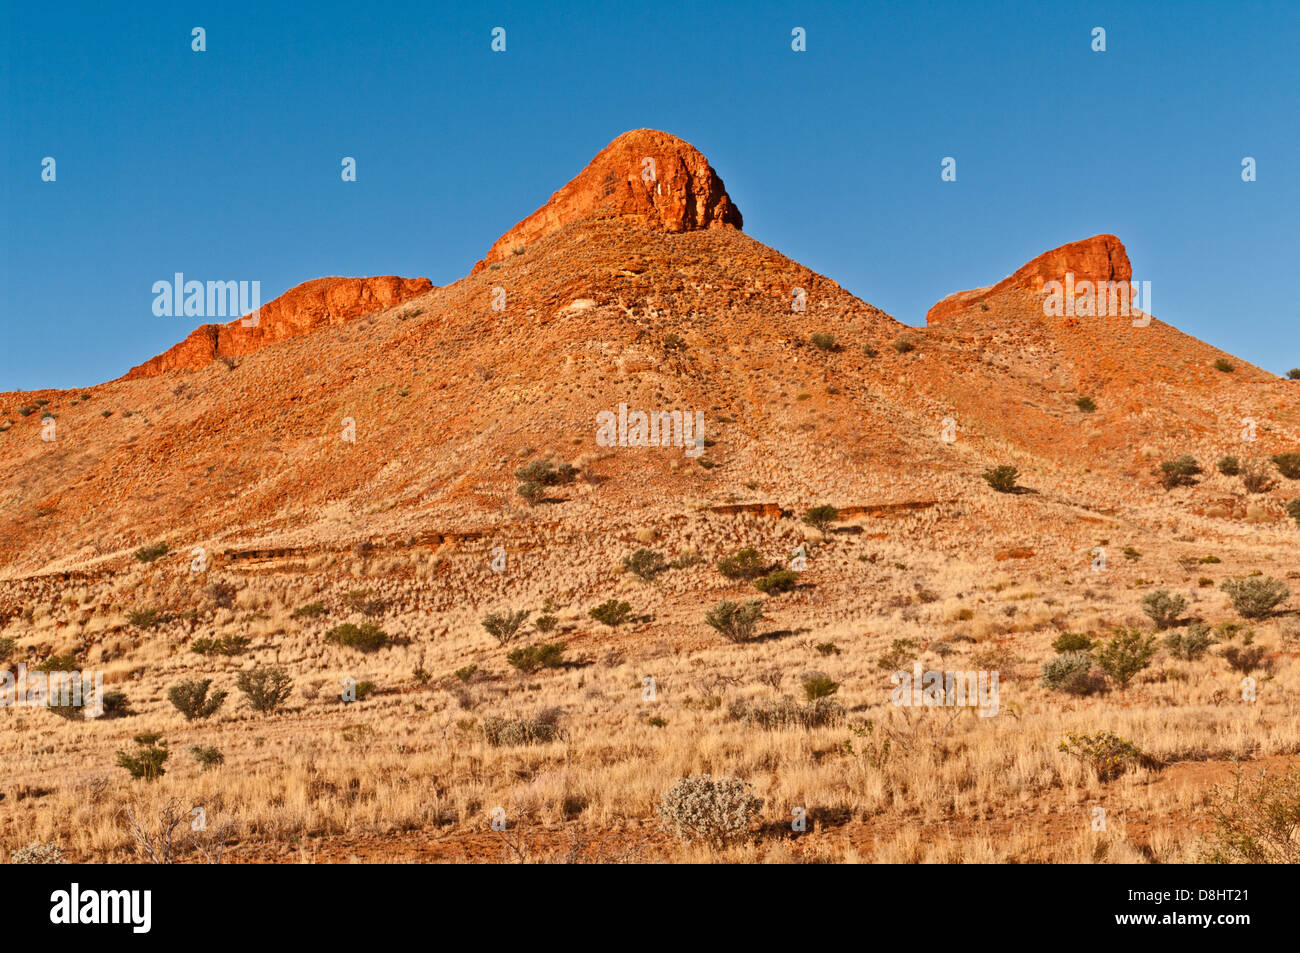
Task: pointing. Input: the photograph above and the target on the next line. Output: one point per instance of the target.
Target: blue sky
(225, 164)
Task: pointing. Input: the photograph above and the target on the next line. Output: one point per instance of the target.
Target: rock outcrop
(675, 191)
(1100, 258)
(310, 305)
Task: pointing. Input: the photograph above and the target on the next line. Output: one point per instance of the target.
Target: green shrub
(701, 808)
(312, 610)
(1192, 644)
(645, 564)
(266, 688)
(546, 473)
(146, 762)
(1293, 510)
(745, 564)
(1086, 404)
(1255, 819)
(823, 342)
(144, 618)
(59, 663)
(1002, 478)
(225, 645)
(1256, 597)
(1125, 654)
(1071, 642)
(1222, 364)
(821, 517)
(192, 700)
(1293, 374)
(819, 686)
(1072, 672)
(1244, 659)
(1288, 464)
(1163, 609)
(147, 554)
(207, 757)
(529, 659)
(545, 623)
(1107, 753)
(904, 345)
(900, 653)
(466, 674)
(504, 626)
(1229, 466)
(611, 612)
(532, 492)
(783, 580)
(366, 637)
(1181, 471)
(1255, 477)
(735, 621)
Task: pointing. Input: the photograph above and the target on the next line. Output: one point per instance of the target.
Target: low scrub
(700, 807)
(735, 621)
(366, 637)
(1257, 596)
(535, 729)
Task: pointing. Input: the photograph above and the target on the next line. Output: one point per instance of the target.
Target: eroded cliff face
(301, 309)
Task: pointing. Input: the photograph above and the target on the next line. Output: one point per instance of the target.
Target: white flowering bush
(38, 853)
(702, 808)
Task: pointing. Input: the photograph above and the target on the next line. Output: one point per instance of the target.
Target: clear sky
(225, 165)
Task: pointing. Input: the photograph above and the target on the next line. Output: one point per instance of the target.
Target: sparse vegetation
(645, 564)
(1288, 464)
(1256, 819)
(1002, 478)
(1256, 597)
(504, 626)
(746, 564)
(702, 808)
(148, 554)
(611, 612)
(1223, 364)
(735, 621)
(1164, 609)
(1105, 752)
(1086, 404)
(1229, 466)
(266, 688)
(192, 700)
(1125, 654)
(147, 760)
(223, 645)
(1181, 471)
(821, 517)
(366, 637)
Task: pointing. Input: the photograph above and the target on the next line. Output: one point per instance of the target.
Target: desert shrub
(146, 761)
(545, 623)
(360, 691)
(1229, 466)
(869, 351)
(745, 564)
(1255, 820)
(504, 626)
(1072, 673)
(783, 580)
(735, 621)
(904, 345)
(1293, 374)
(1190, 645)
(466, 674)
(7, 647)
(266, 688)
(1162, 608)
(366, 637)
(611, 612)
(1181, 471)
(645, 564)
(1288, 464)
(532, 657)
(147, 554)
(546, 473)
(1125, 654)
(115, 705)
(1223, 364)
(529, 730)
(1293, 510)
(1086, 404)
(1243, 658)
(225, 645)
(364, 602)
(192, 700)
(144, 618)
(1071, 642)
(1002, 478)
(59, 663)
(37, 853)
(702, 808)
(1255, 477)
(1106, 752)
(312, 610)
(827, 648)
(1256, 597)
(207, 757)
(823, 342)
(821, 517)
(900, 653)
(781, 713)
(819, 686)
(533, 493)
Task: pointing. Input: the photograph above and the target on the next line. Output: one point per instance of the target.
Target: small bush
(611, 612)
(819, 686)
(529, 659)
(547, 473)
(266, 688)
(904, 345)
(1244, 659)
(532, 492)
(1255, 820)
(1229, 466)
(1163, 609)
(1002, 478)
(146, 762)
(1125, 654)
(1293, 510)
(1293, 374)
(784, 713)
(1255, 477)
(745, 564)
(1072, 673)
(900, 653)
(225, 645)
(645, 564)
(821, 517)
(207, 757)
(312, 610)
(783, 580)
(531, 730)
(1086, 404)
(504, 626)
(466, 674)
(191, 698)
(1222, 364)
(701, 808)
(1106, 752)
(1071, 642)
(1192, 644)
(147, 554)
(823, 342)
(1256, 597)
(144, 618)
(37, 853)
(1180, 471)
(735, 621)
(1288, 464)
(366, 637)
